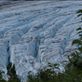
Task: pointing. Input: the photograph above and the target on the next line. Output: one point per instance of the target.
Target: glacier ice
(35, 33)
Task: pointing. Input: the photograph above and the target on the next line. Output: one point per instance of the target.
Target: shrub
(12, 73)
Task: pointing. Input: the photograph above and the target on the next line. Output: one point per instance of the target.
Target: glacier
(33, 33)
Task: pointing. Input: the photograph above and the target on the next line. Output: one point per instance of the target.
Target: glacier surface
(35, 33)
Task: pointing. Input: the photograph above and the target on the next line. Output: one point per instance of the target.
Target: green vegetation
(11, 73)
(72, 73)
(1, 80)
(73, 70)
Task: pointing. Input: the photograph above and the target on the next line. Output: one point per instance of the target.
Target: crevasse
(35, 33)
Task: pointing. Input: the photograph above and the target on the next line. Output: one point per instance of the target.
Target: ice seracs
(35, 33)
